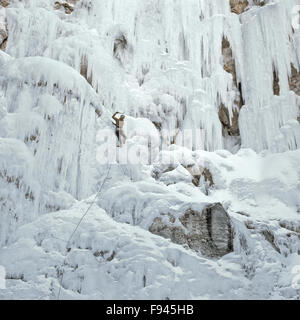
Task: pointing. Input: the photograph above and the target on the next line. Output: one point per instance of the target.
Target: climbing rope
(77, 226)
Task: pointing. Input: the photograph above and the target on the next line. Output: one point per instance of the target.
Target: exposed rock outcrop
(230, 126)
(292, 226)
(228, 59)
(208, 232)
(200, 172)
(3, 25)
(4, 3)
(294, 83)
(238, 6)
(3, 38)
(269, 236)
(276, 87)
(294, 80)
(68, 6)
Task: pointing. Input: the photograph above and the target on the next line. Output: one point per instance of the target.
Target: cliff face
(210, 89)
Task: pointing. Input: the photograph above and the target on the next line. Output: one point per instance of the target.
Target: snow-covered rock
(208, 232)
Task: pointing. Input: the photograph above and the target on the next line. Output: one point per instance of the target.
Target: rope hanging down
(77, 226)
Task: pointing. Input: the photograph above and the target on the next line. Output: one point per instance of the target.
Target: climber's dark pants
(120, 134)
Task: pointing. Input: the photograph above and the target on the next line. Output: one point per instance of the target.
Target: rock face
(294, 83)
(66, 5)
(230, 125)
(4, 3)
(208, 232)
(3, 26)
(238, 6)
(3, 38)
(294, 80)
(228, 59)
(276, 87)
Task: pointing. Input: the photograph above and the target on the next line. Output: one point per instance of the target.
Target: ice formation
(221, 76)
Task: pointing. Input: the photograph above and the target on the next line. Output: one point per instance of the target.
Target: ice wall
(271, 46)
(48, 131)
(163, 60)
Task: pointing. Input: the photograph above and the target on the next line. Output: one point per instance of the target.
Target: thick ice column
(270, 49)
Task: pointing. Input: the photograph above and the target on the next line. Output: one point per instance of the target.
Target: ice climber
(119, 124)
